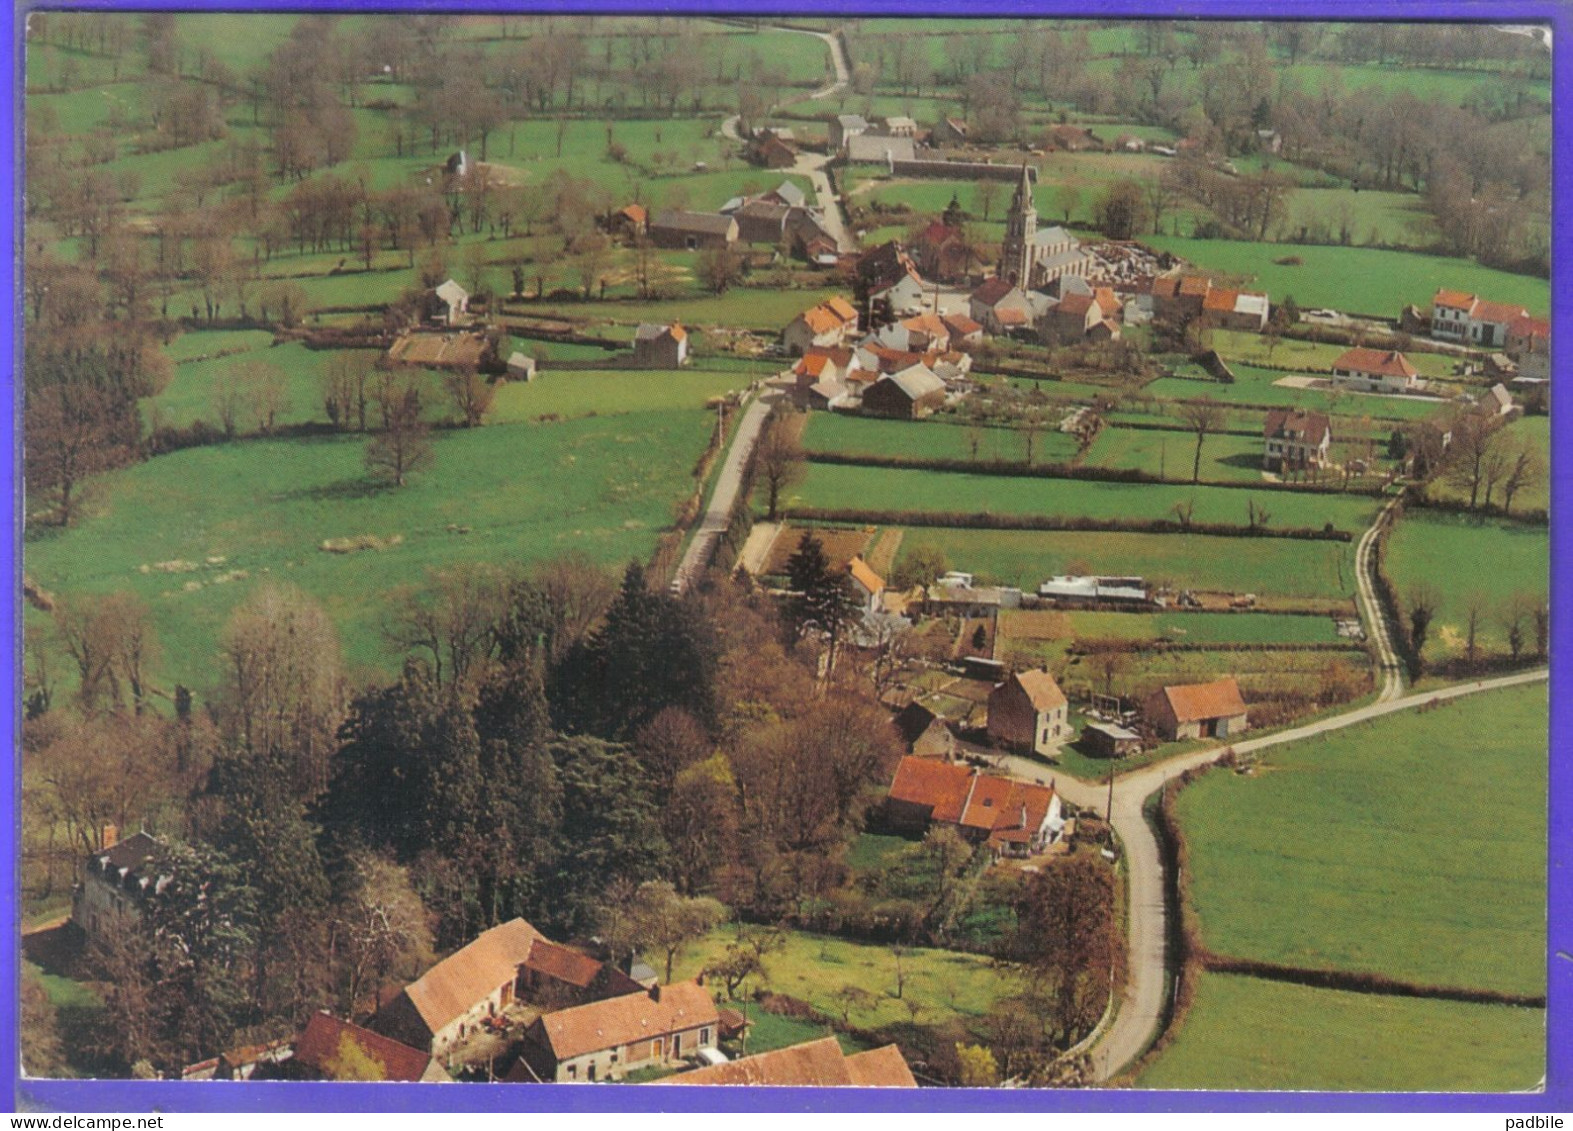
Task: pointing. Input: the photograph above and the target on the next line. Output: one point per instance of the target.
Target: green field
(1313, 357)
(1258, 386)
(813, 968)
(1355, 279)
(1250, 1034)
(1411, 846)
(505, 494)
(1205, 628)
(1462, 555)
(1025, 558)
(827, 485)
(942, 438)
(1170, 454)
(595, 392)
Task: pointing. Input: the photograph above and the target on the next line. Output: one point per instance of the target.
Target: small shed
(521, 367)
(1110, 740)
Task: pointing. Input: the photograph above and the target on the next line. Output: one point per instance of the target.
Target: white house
(1365, 370)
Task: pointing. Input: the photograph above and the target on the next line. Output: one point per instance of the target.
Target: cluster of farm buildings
(518, 1005)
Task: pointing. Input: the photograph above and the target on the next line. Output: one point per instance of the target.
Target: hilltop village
(860, 554)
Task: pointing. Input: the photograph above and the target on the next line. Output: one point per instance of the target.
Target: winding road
(1139, 1020)
(812, 165)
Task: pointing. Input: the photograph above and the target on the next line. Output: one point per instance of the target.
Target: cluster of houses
(1523, 340)
(584, 1018)
(934, 784)
(779, 218)
(904, 370)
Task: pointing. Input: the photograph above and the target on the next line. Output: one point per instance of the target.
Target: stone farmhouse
(606, 1039)
(1028, 712)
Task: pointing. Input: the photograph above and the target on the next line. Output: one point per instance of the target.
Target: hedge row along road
(1140, 1018)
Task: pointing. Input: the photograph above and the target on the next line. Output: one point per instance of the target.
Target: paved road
(702, 548)
(812, 165)
(1139, 1019)
(1138, 1023)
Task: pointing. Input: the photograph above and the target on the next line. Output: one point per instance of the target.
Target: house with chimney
(473, 986)
(1295, 440)
(1028, 712)
(1013, 818)
(1457, 316)
(119, 883)
(1366, 370)
(605, 1040)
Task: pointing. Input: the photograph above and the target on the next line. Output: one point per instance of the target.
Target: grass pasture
(1256, 1035)
(1411, 846)
(609, 392)
(1171, 454)
(840, 486)
(504, 494)
(813, 968)
(941, 438)
(1359, 280)
(1461, 555)
(1025, 558)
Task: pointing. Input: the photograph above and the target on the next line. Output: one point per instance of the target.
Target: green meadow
(1411, 846)
(1254, 1035)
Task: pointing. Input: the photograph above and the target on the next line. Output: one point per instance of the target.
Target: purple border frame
(126, 1095)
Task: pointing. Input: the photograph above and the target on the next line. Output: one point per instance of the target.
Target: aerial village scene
(994, 553)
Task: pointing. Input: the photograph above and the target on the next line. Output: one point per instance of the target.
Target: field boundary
(852, 516)
(1018, 469)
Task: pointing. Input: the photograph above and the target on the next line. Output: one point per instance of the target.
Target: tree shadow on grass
(1243, 459)
(343, 490)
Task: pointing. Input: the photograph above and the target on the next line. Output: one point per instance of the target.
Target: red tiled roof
(840, 356)
(993, 290)
(468, 975)
(1042, 692)
(1528, 327)
(1165, 286)
(1011, 316)
(1384, 363)
(562, 963)
(880, 1068)
(635, 212)
(318, 1050)
(841, 308)
(1217, 700)
(1219, 299)
(865, 575)
(960, 325)
(813, 1064)
(1459, 299)
(1496, 311)
(1195, 285)
(940, 786)
(625, 1020)
(1007, 810)
(811, 365)
(1074, 305)
(1293, 423)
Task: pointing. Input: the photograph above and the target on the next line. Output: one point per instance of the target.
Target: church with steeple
(1030, 258)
